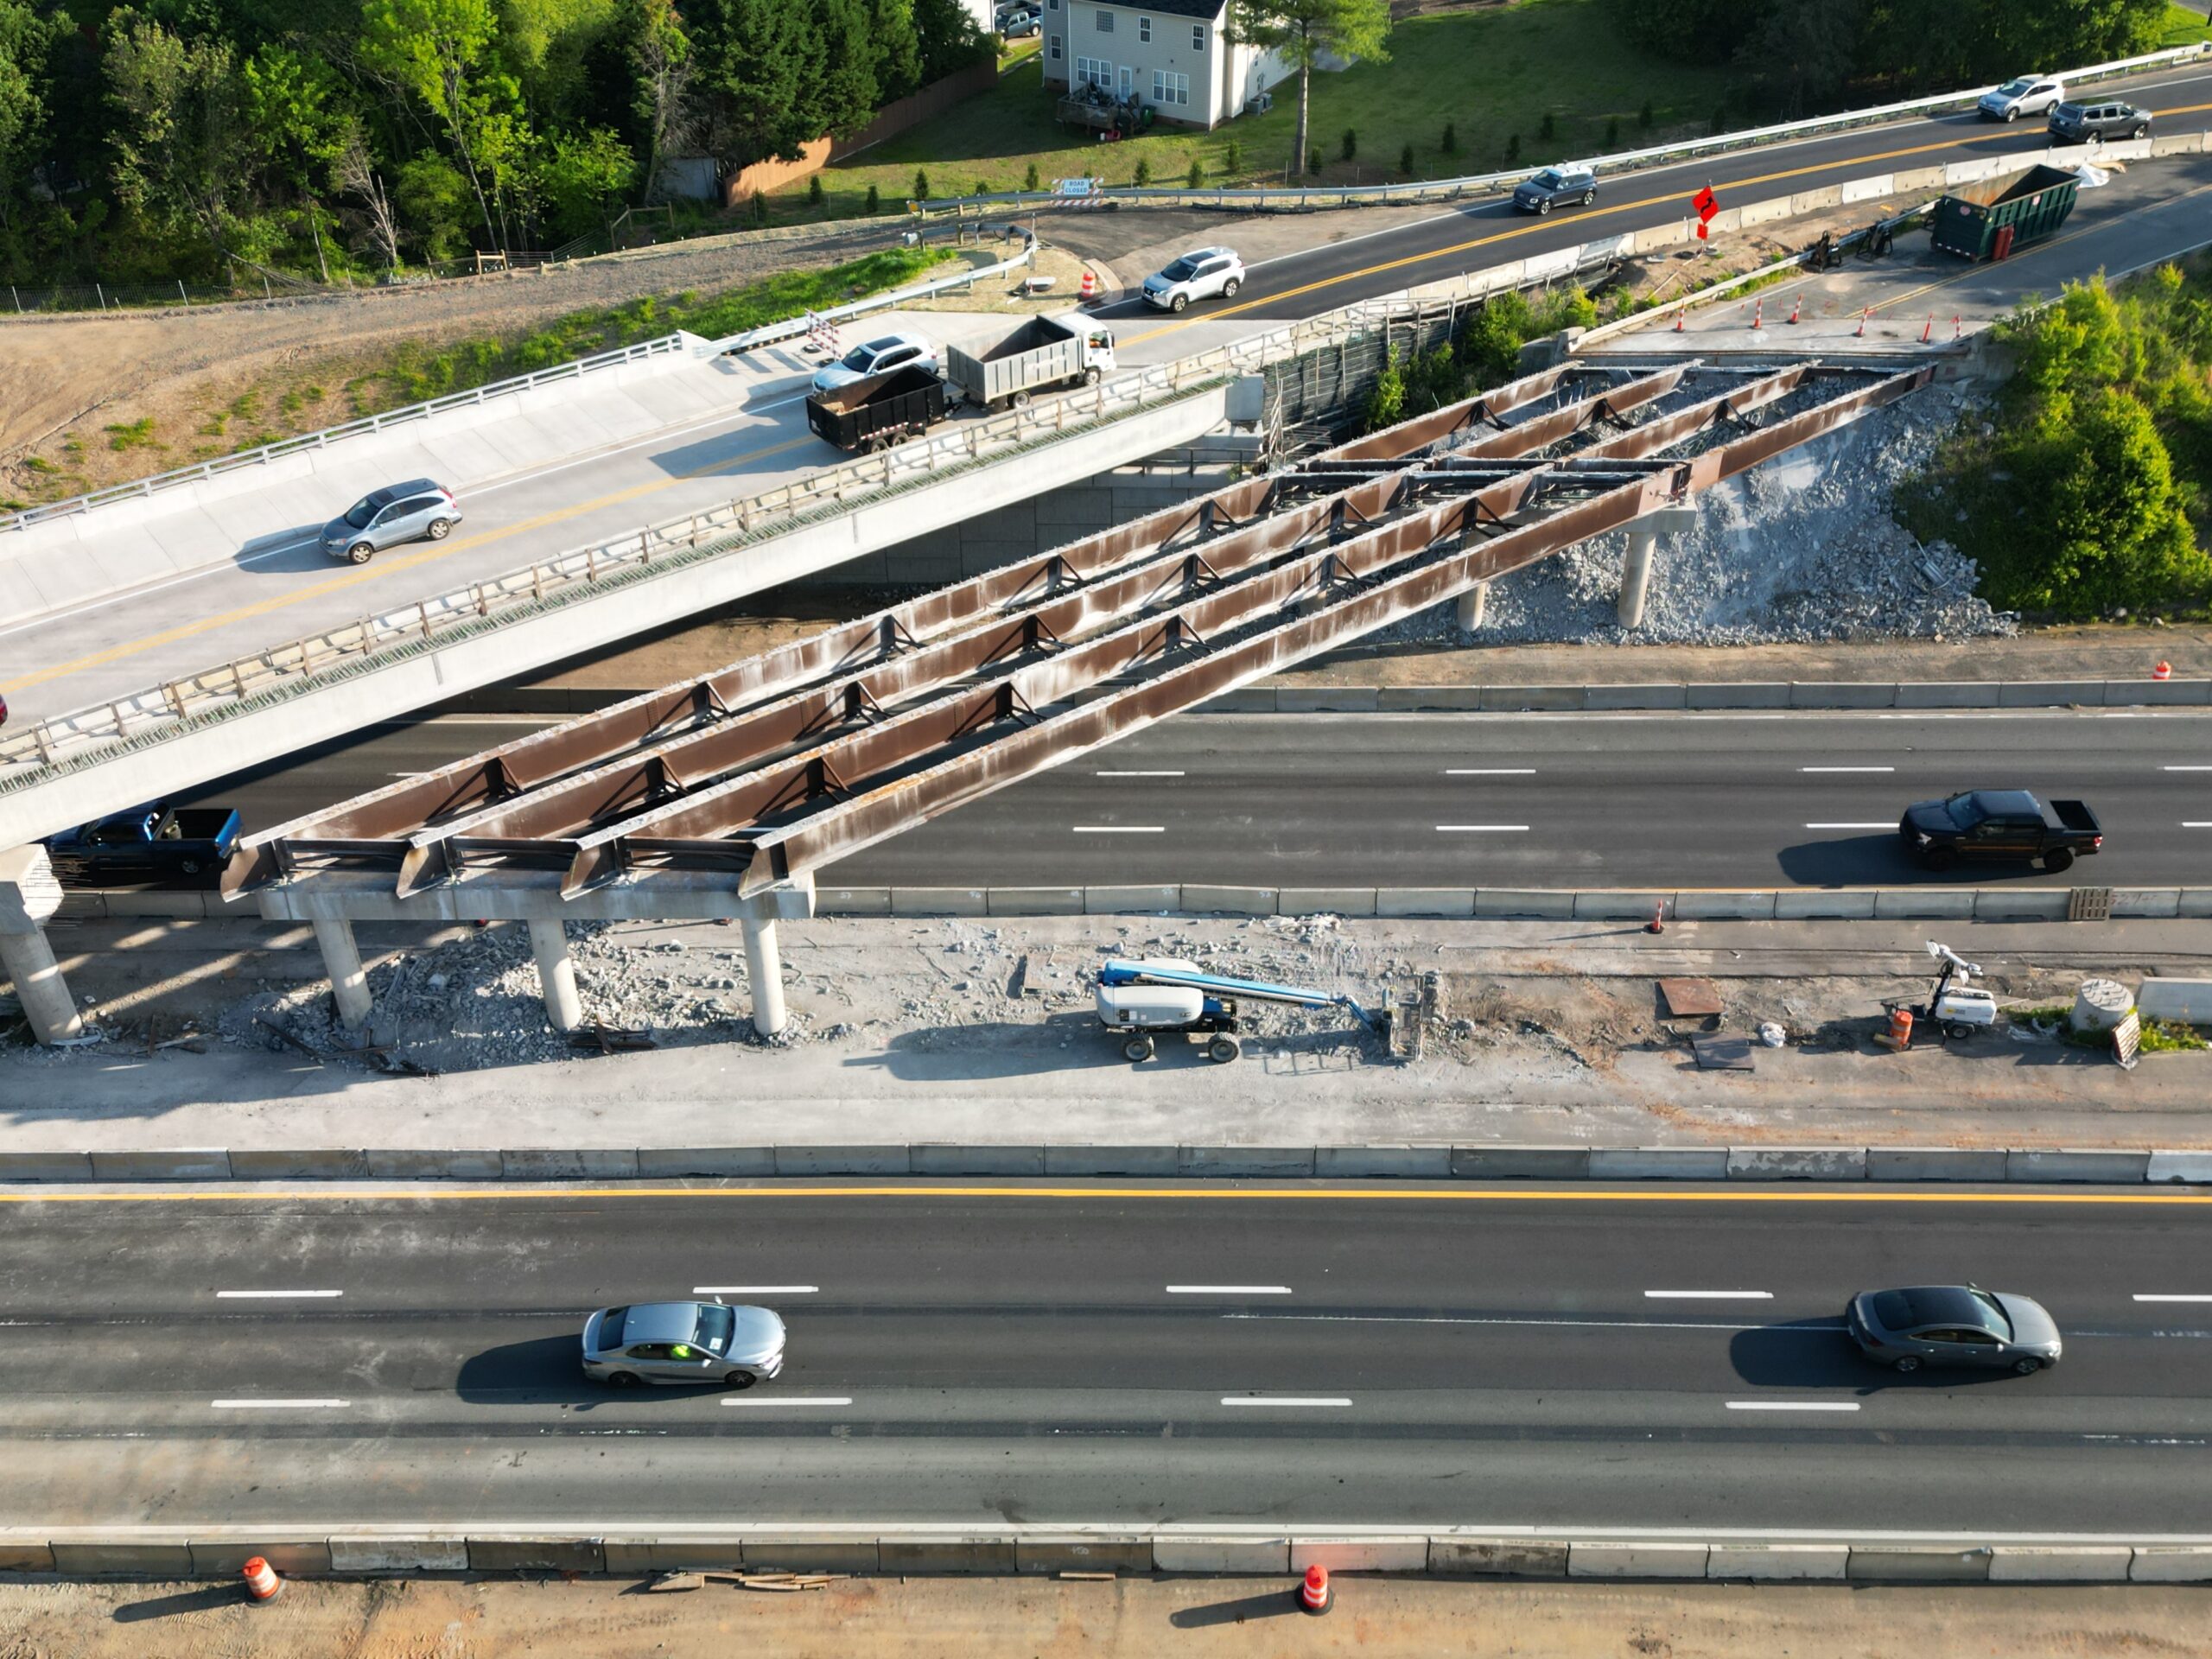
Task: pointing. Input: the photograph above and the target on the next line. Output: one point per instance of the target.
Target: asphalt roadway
(1648, 1358)
(109, 647)
(1491, 800)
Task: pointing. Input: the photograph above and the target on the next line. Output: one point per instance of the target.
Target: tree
(355, 174)
(25, 40)
(182, 148)
(1807, 50)
(846, 94)
(301, 123)
(947, 37)
(1303, 33)
(434, 49)
(760, 63)
(898, 50)
(660, 67)
(581, 177)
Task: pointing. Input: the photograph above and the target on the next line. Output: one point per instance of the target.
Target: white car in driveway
(878, 357)
(1199, 274)
(2022, 95)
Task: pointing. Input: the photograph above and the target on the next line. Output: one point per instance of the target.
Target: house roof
(1206, 10)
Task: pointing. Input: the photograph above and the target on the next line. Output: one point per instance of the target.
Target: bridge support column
(1468, 608)
(764, 959)
(29, 894)
(556, 974)
(1636, 572)
(341, 960)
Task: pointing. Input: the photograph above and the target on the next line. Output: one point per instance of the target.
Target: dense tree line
(1805, 54)
(194, 137)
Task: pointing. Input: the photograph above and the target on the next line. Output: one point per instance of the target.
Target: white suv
(1199, 274)
(2022, 95)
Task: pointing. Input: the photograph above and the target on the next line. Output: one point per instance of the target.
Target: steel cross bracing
(782, 763)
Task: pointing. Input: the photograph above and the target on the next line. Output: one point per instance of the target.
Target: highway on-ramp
(1585, 1359)
(1500, 800)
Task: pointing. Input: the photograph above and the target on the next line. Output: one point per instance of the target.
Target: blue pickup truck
(148, 846)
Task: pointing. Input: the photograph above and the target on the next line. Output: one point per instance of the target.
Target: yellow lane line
(375, 569)
(1571, 1195)
(1539, 223)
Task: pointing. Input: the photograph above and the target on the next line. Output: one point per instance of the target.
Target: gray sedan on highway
(1953, 1325)
(673, 1343)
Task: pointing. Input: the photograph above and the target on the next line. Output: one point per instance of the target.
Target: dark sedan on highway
(1953, 1325)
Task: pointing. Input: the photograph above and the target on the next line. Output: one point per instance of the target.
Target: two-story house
(1169, 53)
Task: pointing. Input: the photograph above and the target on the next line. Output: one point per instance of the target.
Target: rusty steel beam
(1670, 429)
(1563, 423)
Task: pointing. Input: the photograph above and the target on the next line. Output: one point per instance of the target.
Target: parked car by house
(2022, 95)
(900, 351)
(1201, 274)
(385, 518)
(149, 845)
(1020, 26)
(1556, 186)
(2087, 122)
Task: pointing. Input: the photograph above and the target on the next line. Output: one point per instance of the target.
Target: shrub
(1313, 161)
(1643, 116)
(1512, 148)
(1232, 160)
(1030, 181)
(1406, 161)
(875, 199)
(1613, 132)
(814, 195)
(1547, 128)
(1386, 404)
(1721, 118)
(1143, 175)
(1351, 144)
(1450, 146)
(921, 185)
(1195, 177)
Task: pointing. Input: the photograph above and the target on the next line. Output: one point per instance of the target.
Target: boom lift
(1143, 998)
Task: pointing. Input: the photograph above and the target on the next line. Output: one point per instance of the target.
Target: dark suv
(1556, 186)
(2089, 124)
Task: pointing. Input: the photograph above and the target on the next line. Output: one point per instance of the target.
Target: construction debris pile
(1802, 549)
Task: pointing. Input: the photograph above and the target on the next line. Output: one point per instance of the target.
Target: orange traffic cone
(262, 1583)
(1090, 285)
(1679, 316)
(1863, 315)
(2164, 671)
(1796, 305)
(1658, 922)
(1759, 308)
(1314, 1595)
(1928, 333)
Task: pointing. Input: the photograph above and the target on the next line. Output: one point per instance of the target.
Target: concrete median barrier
(1456, 904)
(1948, 694)
(1325, 700)
(1797, 1164)
(1521, 1163)
(440, 1164)
(1200, 900)
(195, 1164)
(1654, 696)
(1428, 699)
(1601, 905)
(1985, 1164)
(1326, 902)
(2190, 1168)
(648, 1554)
(1654, 1561)
(1495, 1558)
(1815, 904)
(26, 1555)
(1077, 1553)
(2042, 1164)
(1531, 904)
(1723, 906)
(1187, 1552)
(98, 1558)
(2051, 694)
(1741, 694)
(393, 1557)
(1394, 1163)
(1867, 189)
(306, 1557)
(826, 1552)
(940, 901)
(1842, 694)
(1778, 1563)
(1658, 1163)
(2028, 905)
(2195, 901)
(306, 1163)
(852, 901)
(45, 1166)
(508, 1552)
(2171, 1564)
(1924, 904)
(667, 1163)
(1245, 1161)
(2052, 1564)
(1125, 901)
(1917, 1564)
(1532, 699)
(568, 1164)
(1360, 1554)
(1112, 1160)
(948, 1159)
(2157, 693)
(1035, 901)
(2188, 1001)
(978, 1554)
(2144, 903)
(1245, 700)
(844, 1161)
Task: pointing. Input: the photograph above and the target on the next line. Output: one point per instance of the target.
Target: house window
(1105, 22)
(1144, 28)
(1170, 88)
(1197, 37)
(1094, 71)
(1056, 48)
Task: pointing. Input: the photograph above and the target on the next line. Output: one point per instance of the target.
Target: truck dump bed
(1989, 221)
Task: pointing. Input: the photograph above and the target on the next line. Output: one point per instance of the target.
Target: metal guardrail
(1310, 198)
(793, 328)
(269, 452)
(57, 739)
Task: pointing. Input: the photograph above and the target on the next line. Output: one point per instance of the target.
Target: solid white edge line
(1139, 774)
(2185, 768)
(1482, 828)
(1285, 1400)
(1793, 1405)
(1228, 1290)
(754, 1290)
(2197, 823)
(1118, 828)
(271, 1295)
(1489, 771)
(2173, 1299)
(275, 1405)
(1847, 768)
(796, 1400)
(1712, 1295)
(1887, 823)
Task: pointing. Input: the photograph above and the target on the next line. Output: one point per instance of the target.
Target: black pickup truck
(148, 846)
(1999, 823)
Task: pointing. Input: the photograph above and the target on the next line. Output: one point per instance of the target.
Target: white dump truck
(1044, 354)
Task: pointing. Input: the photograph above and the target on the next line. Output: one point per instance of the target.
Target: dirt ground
(1128, 1619)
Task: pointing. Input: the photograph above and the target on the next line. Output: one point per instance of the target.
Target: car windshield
(2014, 88)
(1550, 179)
(860, 356)
(610, 1328)
(361, 512)
(1965, 810)
(714, 1326)
(1182, 270)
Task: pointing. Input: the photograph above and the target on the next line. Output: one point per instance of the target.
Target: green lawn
(1491, 74)
(2184, 26)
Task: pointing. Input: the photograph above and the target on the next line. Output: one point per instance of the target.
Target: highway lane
(130, 640)
(1491, 800)
(1103, 1351)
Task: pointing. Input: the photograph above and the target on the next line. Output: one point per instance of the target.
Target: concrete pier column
(763, 972)
(556, 974)
(341, 960)
(1635, 571)
(40, 987)
(29, 894)
(1468, 608)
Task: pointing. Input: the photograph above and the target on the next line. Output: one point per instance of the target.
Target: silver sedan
(675, 1343)
(1954, 1325)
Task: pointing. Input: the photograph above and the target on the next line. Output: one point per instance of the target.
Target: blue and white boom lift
(1143, 998)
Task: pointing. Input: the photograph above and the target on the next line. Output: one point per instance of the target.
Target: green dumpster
(1989, 221)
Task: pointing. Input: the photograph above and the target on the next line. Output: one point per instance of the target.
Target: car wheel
(1222, 1050)
(2026, 1365)
(188, 866)
(1136, 1048)
(739, 1380)
(1910, 1363)
(1544, 204)
(439, 528)
(2011, 114)
(1019, 400)
(1938, 859)
(1228, 289)
(1179, 303)
(1090, 377)
(2059, 859)
(358, 553)
(2140, 132)
(1589, 196)
(621, 1380)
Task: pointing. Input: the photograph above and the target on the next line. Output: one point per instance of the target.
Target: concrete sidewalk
(983, 1033)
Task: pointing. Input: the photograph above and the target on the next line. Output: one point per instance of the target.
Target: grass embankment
(1492, 75)
(2087, 491)
(331, 390)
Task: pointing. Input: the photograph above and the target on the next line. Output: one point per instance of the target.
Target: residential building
(1170, 54)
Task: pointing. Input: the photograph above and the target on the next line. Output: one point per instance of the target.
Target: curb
(173, 1553)
(1877, 1165)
